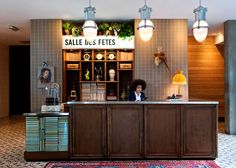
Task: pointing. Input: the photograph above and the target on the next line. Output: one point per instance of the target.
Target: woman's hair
(135, 83)
(42, 79)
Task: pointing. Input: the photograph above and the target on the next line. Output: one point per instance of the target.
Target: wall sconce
(179, 79)
(200, 27)
(13, 28)
(145, 27)
(90, 27)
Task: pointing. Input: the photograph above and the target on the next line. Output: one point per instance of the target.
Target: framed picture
(45, 76)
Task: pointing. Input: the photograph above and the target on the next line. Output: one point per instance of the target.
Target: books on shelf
(111, 97)
(72, 56)
(93, 91)
(126, 56)
(125, 66)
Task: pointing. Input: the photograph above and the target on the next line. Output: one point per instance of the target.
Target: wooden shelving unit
(96, 63)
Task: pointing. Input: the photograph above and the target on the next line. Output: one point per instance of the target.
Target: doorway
(19, 68)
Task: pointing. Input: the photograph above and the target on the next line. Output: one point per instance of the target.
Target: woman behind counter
(136, 88)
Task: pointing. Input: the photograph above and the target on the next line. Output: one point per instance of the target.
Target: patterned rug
(134, 164)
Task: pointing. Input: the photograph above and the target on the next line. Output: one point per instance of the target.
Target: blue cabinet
(45, 134)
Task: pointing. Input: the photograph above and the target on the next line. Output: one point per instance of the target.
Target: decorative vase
(87, 75)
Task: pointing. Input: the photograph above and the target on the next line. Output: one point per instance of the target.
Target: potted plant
(102, 28)
(116, 27)
(109, 31)
(76, 30)
(67, 26)
(126, 31)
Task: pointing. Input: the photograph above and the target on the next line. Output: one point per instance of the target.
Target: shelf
(73, 69)
(125, 61)
(93, 61)
(111, 61)
(74, 76)
(98, 81)
(124, 69)
(72, 61)
(97, 61)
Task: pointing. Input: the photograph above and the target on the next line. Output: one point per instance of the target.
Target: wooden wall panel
(206, 71)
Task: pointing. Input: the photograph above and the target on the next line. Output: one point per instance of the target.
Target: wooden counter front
(143, 130)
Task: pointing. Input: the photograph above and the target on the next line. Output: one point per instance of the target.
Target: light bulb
(90, 30)
(200, 30)
(145, 28)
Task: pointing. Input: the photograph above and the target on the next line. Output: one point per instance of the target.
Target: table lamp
(179, 79)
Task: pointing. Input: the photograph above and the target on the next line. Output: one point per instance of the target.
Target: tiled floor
(12, 142)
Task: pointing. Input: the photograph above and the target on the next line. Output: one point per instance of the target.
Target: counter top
(169, 101)
(46, 114)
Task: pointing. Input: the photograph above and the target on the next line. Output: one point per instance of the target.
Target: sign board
(100, 42)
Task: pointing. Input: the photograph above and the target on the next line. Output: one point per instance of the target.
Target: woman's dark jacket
(132, 96)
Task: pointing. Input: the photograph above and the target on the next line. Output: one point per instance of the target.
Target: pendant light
(145, 27)
(90, 27)
(200, 27)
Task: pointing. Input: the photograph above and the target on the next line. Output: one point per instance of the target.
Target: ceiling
(19, 13)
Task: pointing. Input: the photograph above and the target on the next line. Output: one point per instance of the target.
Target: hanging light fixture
(200, 27)
(145, 27)
(90, 27)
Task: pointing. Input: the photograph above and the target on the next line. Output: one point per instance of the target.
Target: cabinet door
(32, 132)
(125, 129)
(63, 133)
(88, 131)
(162, 131)
(199, 131)
(51, 139)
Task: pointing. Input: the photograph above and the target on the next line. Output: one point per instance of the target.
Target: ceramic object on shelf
(111, 56)
(99, 56)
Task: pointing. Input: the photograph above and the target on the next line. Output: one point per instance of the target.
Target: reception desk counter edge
(139, 130)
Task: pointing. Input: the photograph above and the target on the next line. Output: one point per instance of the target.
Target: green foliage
(126, 31)
(116, 26)
(67, 26)
(76, 30)
(103, 27)
(122, 30)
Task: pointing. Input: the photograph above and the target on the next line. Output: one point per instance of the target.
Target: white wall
(4, 81)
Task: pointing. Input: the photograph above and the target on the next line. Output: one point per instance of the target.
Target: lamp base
(178, 96)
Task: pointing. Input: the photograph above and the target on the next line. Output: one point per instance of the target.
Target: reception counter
(125, 130)
(148, 129)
